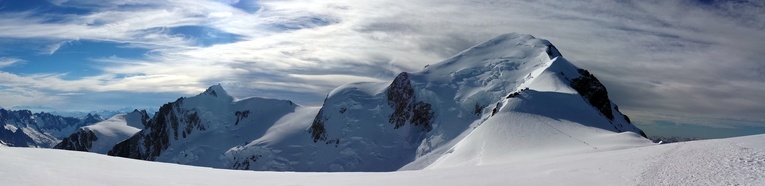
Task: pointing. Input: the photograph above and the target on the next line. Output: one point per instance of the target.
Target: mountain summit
(511, 98)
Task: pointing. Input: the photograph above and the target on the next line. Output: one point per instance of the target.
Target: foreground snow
(734, 161)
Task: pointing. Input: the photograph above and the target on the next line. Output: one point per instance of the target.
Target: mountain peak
(506, 50)
(216, 91)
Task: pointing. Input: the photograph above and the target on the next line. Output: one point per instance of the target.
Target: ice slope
(102, 136)
(198, 130)
(733, 161)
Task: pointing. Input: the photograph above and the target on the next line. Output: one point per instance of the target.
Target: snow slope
(547, 119)
(102, 136)
(733, 161)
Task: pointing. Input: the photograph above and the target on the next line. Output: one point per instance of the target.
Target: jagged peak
(215, 90)
(218, 92)
(92, 116)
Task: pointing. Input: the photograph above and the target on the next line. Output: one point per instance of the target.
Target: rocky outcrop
(241, 115)
(318, 131)
(594, 92)
(552, 52)
(82, 140)
(155, 138)
(405, 107)
(400, 95)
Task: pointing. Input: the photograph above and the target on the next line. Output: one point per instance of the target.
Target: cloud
(71, 94)
(15, 96)
(684, 59)
(6, 61)
(51, 49)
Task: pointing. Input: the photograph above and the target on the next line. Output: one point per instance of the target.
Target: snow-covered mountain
(23, 128)
(102, 136)
(511, 98)
(199, 129)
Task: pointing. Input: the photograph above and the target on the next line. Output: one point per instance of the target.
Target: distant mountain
(104, 113)
(102, 136)
(23, 128)
(507, 99)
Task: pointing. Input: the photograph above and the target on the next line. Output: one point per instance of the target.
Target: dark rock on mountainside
(405, 106)
(317, 130)
(155, 138)
(82, 140)
(594, 92)
(400, 95)
(401, 99)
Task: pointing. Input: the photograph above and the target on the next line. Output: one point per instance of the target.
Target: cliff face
(82, 140)
(155, 137)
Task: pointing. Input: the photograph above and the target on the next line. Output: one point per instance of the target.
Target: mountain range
(22, 128)
(511, 98)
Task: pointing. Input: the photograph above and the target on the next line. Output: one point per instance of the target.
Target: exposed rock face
(552, 52)
(405, 106)
(82, 140)
(401, 99)
(594, 92)
(400, 95)
(155, 138)
(241, 115)
(317, 130)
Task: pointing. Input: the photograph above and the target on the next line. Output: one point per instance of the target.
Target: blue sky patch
(75, 58)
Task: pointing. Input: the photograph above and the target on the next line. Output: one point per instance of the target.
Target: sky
(684, 62)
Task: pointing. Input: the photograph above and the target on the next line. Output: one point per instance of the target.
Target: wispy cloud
(686, 59)
(6, 61)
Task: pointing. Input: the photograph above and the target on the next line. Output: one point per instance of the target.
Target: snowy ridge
(733, 161)
(102, 136)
